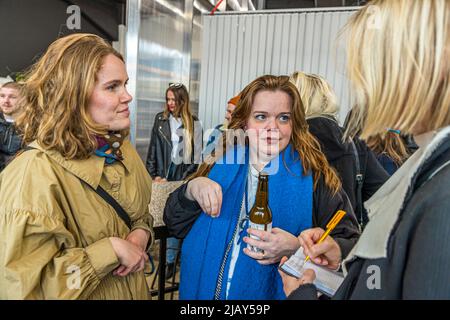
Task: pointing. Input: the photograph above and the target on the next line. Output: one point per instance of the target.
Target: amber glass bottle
(260, 216)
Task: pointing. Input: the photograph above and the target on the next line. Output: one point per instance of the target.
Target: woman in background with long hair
(173, 150)
(391, 150)
(172, 144)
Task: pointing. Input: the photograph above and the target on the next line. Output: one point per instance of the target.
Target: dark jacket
(342, 157)
(159, 157)
(214, 136)
(389, 165)
(417, 265)
(10, 142)
(180, 214)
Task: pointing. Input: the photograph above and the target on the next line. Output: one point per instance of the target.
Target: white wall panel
(238, 48)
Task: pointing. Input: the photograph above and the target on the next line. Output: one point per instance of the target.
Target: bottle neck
(262, 192)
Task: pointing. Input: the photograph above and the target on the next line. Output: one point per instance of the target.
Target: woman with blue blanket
(268, 132)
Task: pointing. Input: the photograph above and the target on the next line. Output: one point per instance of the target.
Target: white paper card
(326, 281)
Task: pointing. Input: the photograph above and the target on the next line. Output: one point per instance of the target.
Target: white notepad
(326, 281)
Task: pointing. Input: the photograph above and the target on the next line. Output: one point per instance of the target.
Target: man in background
(219, 129)
(10, 141)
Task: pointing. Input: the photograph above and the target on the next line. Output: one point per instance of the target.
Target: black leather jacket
(159, 157)
(10, 142)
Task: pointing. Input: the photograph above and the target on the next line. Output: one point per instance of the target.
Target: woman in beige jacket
(58, 238)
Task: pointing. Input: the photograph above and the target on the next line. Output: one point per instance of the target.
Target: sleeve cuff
(147, 226)
(102, 257)
(187, 204)
(304, 292)
(141, 225)
(346, 246)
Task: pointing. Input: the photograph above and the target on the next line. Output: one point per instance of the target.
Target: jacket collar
(3, 120)
(89, 170)
(385, 206)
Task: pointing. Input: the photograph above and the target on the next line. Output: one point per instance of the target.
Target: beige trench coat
(54, 229)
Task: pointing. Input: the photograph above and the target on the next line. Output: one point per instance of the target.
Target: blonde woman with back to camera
(58, 238)
(399, 57)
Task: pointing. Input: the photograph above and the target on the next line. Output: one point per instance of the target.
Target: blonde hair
(398, 61)
(56, 94)
(313, 160)
(390, 144)
(316, 93)
(183, 110)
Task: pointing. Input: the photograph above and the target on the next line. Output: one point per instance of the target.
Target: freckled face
(109, 101)
(270, 119)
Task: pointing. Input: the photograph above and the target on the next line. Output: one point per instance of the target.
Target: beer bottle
(260, 217)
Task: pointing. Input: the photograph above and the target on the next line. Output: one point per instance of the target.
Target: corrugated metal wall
(238, 48)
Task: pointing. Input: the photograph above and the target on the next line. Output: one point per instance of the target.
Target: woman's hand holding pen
(327, 253)
(207, 193)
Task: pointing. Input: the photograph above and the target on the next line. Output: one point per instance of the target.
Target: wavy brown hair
(390, 144)
(313, 160)
(183, 111)
(56, 95)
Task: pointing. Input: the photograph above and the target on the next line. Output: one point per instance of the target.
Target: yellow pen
(330, 226)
